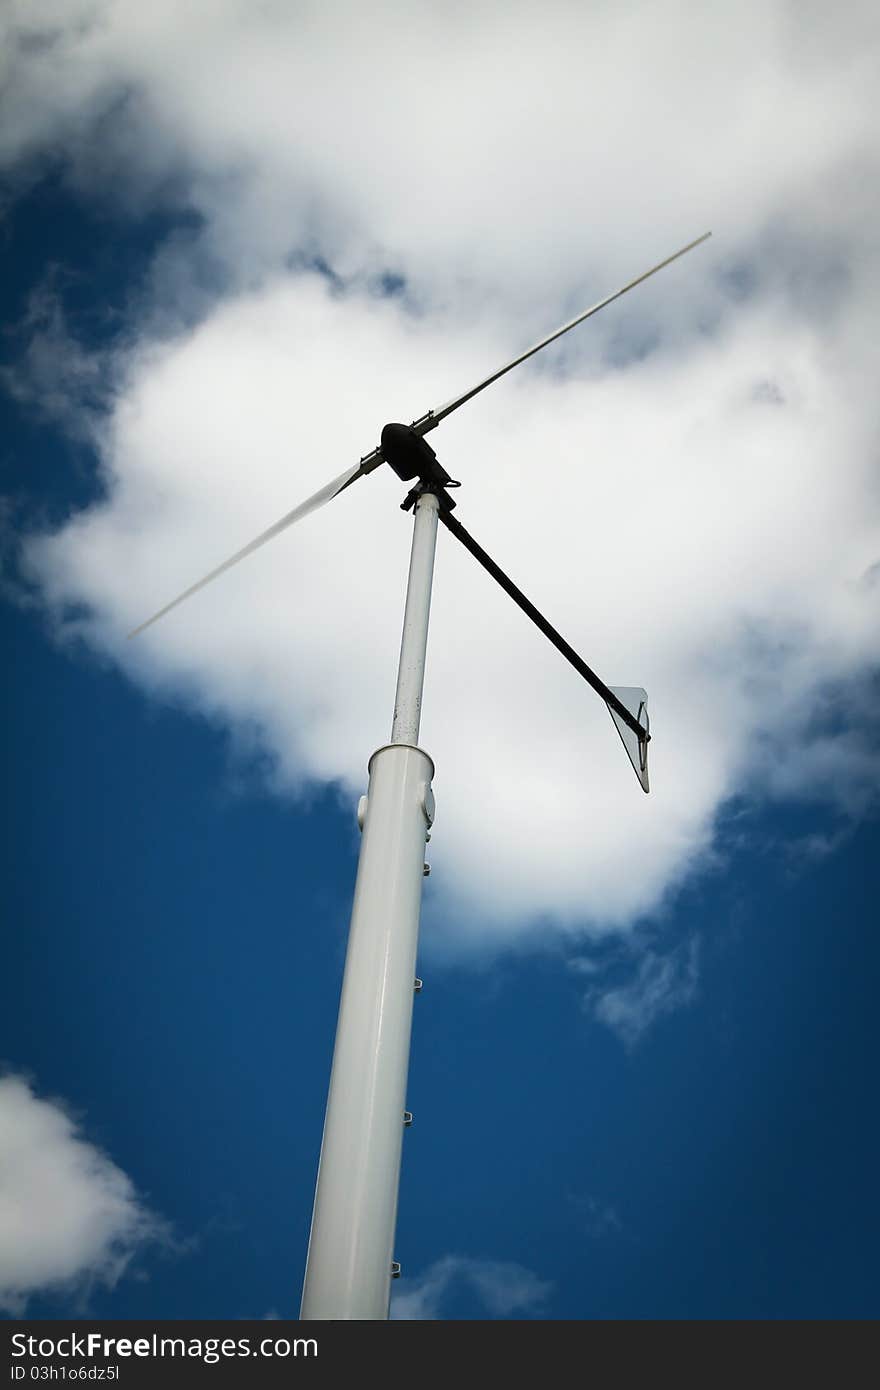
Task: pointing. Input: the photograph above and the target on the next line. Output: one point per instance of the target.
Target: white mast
(349, 1264)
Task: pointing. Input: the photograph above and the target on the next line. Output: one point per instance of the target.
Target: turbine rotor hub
(411, 456)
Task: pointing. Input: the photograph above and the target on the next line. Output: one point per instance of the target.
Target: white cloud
(599, 1219)
(55, 377)
(487, 141)
(69, 1217)
(501, 1288)
(687, 492)
(660, 985)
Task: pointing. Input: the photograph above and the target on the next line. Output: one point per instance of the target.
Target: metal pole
(349, 1264)
(414, 641)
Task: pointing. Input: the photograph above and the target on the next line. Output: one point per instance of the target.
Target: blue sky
(642, 1070)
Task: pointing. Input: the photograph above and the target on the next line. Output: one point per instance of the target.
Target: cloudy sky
(239, 238)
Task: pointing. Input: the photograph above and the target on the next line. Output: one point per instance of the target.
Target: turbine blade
(433, 418)
(311, 504)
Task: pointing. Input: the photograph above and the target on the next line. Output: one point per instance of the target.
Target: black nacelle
(411, 456)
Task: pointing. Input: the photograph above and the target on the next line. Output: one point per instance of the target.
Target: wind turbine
(350, 1264)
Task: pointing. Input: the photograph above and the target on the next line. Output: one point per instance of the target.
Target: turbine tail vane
(628, 705)
(635, 740)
